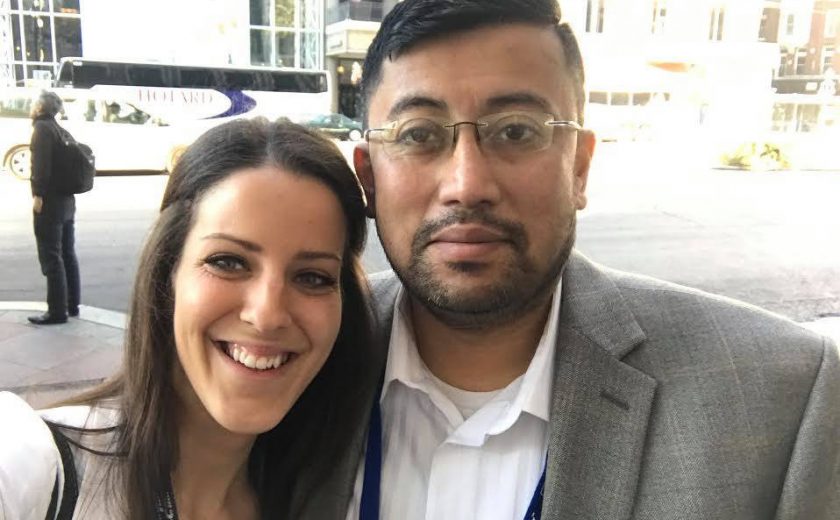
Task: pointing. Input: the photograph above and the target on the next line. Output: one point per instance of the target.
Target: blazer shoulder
(665, 309)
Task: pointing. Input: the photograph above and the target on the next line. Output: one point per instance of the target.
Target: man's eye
(516, 132)
(226, 263)
(418, 134)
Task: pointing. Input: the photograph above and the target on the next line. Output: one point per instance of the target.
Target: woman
(249, 285)
(53, 214)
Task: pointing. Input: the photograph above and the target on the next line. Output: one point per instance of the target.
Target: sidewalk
(47, 363)
(44, 364)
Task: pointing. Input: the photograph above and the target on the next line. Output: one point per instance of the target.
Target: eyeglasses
(507, 134)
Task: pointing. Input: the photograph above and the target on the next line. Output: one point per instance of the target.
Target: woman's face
(257, 296)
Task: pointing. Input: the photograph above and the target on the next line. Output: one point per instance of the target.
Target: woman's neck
(210, 479)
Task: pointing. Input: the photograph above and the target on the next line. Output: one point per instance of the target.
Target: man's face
(477, 237)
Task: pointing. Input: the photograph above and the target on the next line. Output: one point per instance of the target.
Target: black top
(45, 146)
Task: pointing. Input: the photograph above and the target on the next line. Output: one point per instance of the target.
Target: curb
(96, 315)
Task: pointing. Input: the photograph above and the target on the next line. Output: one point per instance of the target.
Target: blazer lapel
(600, 407)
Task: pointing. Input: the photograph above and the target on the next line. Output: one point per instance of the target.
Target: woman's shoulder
(104, 414)
(27, 455)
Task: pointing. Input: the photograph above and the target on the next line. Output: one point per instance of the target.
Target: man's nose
(266, 306)
(468, 177)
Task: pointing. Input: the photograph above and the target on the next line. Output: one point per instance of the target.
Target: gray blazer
(669, 403)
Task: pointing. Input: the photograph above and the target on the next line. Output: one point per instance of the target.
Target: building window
(286, 33)
(801, 61)
(769, 29)
(716, 24)
(832, 23)
(827, 57)
(660, 11)
(595, 16)
(790, 25)
(42, 32)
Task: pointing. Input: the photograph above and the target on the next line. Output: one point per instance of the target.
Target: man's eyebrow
(250, 246)
(518, 98)
(317, 255)
(409, 102)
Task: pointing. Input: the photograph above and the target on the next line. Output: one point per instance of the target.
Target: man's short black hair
(415, 21)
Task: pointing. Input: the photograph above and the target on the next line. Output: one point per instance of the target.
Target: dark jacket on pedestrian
(46, 146)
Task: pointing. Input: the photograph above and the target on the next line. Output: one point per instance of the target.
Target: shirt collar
(535, 386)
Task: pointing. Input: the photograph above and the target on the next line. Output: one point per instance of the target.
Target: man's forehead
(493, 65)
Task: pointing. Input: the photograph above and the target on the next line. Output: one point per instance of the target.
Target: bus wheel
(174, 157)
(18, 162)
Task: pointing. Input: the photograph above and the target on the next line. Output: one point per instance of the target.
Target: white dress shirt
(440, 465)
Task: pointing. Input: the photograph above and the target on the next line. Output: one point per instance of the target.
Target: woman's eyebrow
(318, 255)
(250, 246)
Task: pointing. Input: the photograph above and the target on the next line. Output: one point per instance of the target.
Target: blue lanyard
(369, 506)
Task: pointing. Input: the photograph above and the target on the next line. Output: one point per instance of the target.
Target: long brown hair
(146, 440)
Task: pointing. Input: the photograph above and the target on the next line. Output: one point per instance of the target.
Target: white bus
(141, 116)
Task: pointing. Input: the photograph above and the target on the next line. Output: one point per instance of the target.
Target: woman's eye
(314, 280)
(226, 263)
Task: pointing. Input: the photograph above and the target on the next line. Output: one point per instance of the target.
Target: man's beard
(518, 289)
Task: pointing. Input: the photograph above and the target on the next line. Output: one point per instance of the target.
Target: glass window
(832, 23)
(801, 61)
(285, 48)
(236, 80)
(260, 47)
(19, 75)
(41, 73)
(16, 38)
(15, 107)
(310, 50)
(791, 24)
(716, 24)
(15, 5)
(66, 6)
(259, 12)
(146, 77)
(36, 30)
(620, 98)
(641, 98)
(68, 41)
(598, 97)
(284, 13)
(35, 5)
(827, 57)
(90, 75)
(196, 78)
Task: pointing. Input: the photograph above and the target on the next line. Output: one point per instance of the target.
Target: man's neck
(478, 360)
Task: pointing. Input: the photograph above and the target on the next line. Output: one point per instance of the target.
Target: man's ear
(364, 171)
(583, 160)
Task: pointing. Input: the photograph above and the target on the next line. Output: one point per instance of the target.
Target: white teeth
(240, 355)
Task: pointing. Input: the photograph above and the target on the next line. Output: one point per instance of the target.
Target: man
(522, 380)
(53, 214)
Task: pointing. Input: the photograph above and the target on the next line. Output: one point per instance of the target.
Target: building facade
(36, 34)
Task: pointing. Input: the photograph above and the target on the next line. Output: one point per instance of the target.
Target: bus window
(236, 80)
(196, 78)
(88, 75)
(146, 77)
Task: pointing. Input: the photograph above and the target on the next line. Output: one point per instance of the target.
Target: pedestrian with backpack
(54, 210)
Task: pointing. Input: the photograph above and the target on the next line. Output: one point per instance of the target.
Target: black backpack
(76, 166)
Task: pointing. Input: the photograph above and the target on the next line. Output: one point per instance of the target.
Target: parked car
(337, 126)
